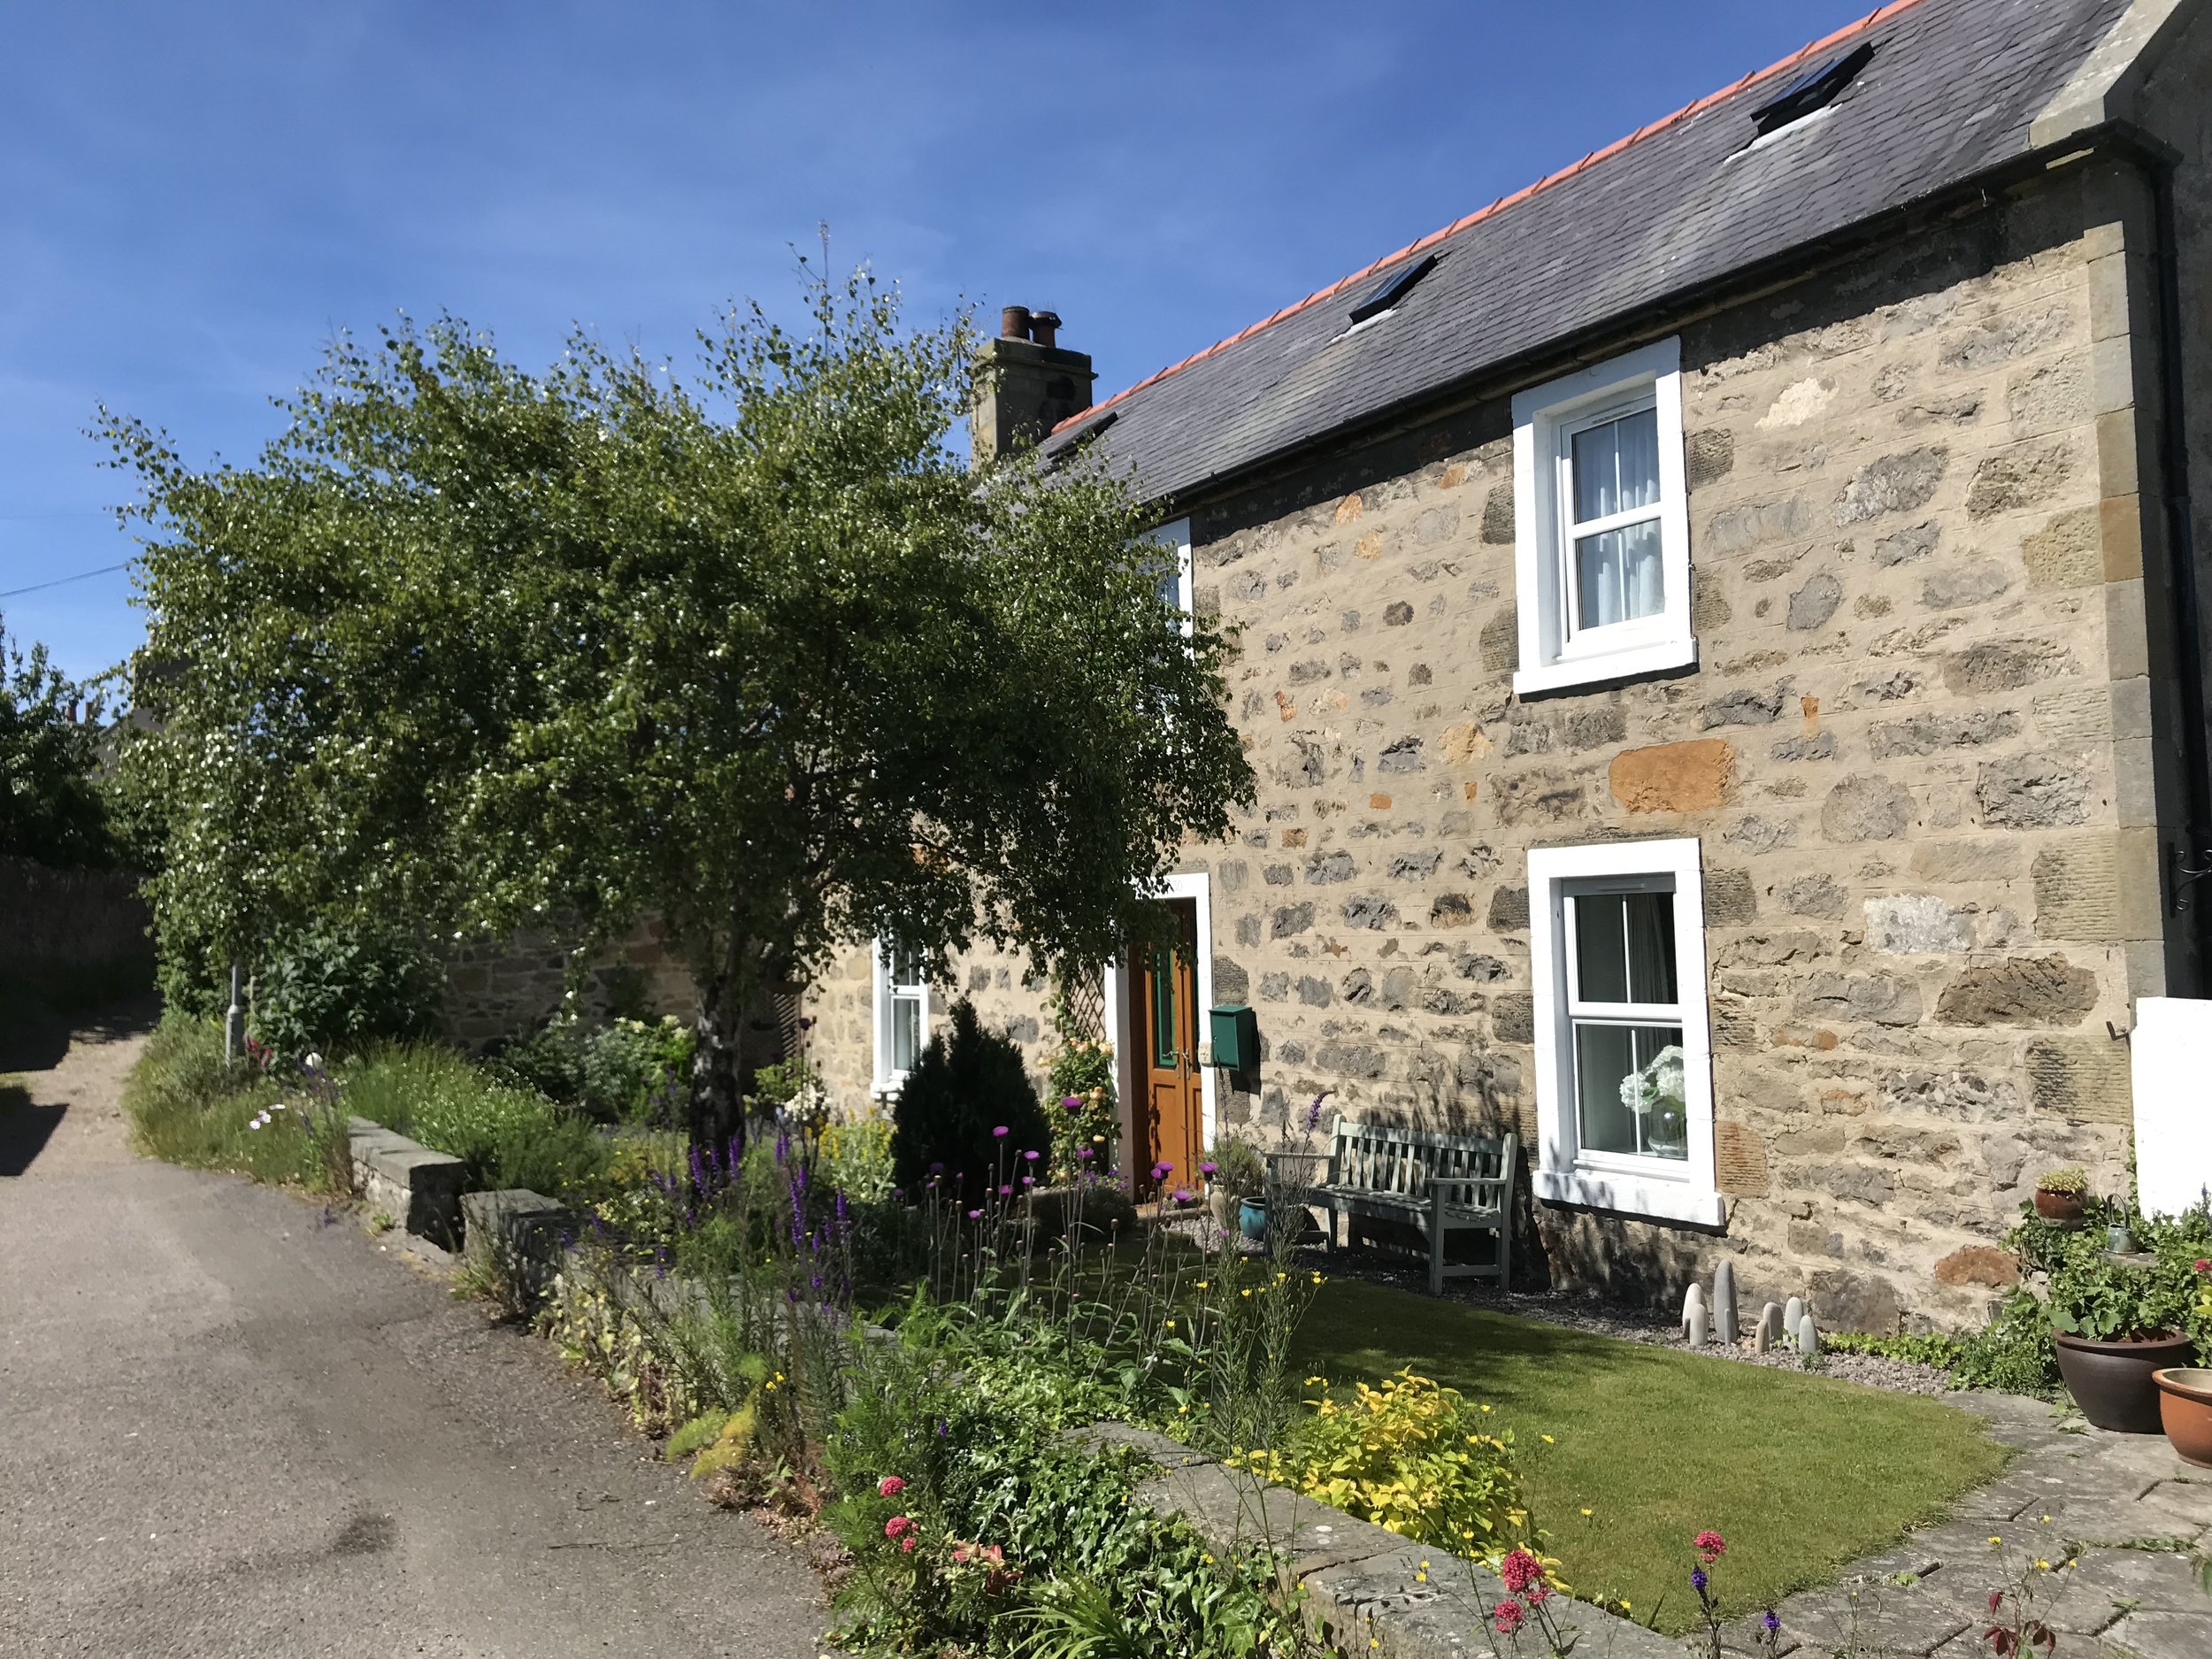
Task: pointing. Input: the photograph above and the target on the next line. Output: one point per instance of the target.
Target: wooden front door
(1165, 1022)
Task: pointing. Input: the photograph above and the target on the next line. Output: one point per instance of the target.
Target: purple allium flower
(1032, 1156)
(999, 1132)
(975, 1215)
(1771, 1623)
(1006, 1192)
(1029, 1180)
(1072, 1103)
(1697, 1578)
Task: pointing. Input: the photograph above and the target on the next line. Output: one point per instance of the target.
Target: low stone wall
(71, 922)
(418, 1188)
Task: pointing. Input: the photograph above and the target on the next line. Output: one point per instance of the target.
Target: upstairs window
(902, 1015)
(1601, 524)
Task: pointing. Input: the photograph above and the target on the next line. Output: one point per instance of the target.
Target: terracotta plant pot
(2111, 1381)
(2058, 1206)
(2185, 1406)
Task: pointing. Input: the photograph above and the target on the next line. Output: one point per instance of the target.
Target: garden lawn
(1801, 1474)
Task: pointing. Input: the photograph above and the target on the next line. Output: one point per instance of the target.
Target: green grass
(185, 1105)
(507, 1136)
(1799, 1473)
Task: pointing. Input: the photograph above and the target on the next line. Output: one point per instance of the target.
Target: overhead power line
(60, 581)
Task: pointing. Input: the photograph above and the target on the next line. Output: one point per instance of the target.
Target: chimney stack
(1026, 384)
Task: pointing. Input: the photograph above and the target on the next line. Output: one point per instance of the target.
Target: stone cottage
(1723, 653)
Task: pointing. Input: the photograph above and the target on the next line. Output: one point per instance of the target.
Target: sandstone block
(1901, 547)
(1926, 733)
(2043, 790)
(1509, 909)
(2022, 991)
(1314, 993)
(1914, 924)
(1974, 584)
(1850, 1301)
(1812, 895)
(1740, 1159)
(1513, 1016)
(2011, 333)
(2023, 475)
(2084, 1080)
(1865, 808)
(1708, 456)
(1497, 516)
(1482, 969)
(1498, 644)
(1291, 919)
(1370, 911)
(1451, 910)
(1542, 795)
(1743, 708)
(1896, 483)
(1729, 897)
(2066, 551)
(1811, 605)
(2003, 665)
(1690, 777)
(1755, 524)
(1415, 866)
(1966, 860)
(1884, 999)
(1330, 866)
(1980, 1264)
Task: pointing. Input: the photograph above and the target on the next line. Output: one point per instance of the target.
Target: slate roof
(1949, 94)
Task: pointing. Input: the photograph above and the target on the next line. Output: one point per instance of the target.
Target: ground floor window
(1624, 1064)
(901, 1022)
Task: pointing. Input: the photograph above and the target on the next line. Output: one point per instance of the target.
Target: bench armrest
(1273, 1158)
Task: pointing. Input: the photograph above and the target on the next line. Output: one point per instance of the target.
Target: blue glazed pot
(1252, 1220)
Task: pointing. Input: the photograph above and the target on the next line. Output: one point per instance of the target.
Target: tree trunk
(718, 1104)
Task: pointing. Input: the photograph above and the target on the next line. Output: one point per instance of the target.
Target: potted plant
(2062, 1194)
(1235, 1184)
(2114, 1327)
(2184, 1411)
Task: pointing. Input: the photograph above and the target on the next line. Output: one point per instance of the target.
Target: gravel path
(236, 1425)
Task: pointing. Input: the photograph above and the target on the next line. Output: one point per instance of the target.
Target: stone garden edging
(421, 1190)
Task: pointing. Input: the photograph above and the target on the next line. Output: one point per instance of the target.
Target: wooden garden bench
(1439, 1183)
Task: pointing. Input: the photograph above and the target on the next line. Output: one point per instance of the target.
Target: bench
(1439, 1183)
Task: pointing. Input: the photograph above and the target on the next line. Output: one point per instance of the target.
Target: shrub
(1411, 1456)
(550, 1061)
(2067, 1180)
(855, 1157)
(634, 1072)
(336, 986)
(966, 1113)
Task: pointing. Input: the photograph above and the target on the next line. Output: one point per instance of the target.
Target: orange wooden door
(1166, 1022)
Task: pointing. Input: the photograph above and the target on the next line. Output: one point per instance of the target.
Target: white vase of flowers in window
(1654, 1093)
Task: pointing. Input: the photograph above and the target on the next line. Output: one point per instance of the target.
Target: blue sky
(193, 198)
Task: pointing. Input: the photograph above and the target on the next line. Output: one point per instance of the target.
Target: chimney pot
(1014, 322)
(1044, 326)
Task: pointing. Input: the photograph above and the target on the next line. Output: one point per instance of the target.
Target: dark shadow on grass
(25, 1128)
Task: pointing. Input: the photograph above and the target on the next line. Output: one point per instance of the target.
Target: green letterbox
(1236, 1034)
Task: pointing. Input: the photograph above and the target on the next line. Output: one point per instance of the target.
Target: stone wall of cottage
(1928, 888)
(1917, 755)
(499, 992)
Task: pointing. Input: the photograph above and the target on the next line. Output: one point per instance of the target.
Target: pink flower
(1208, 1168)
(1005, 1191)
(1184, 1195)
(1000, 1132)
(897, 1526)
(1032, 1156)
(890, 1487)
(1083, 1152)
(2201, 1265)
(1507, 1617)
(1520, 1569)
(1072, 1103)
(960, 1554)
(1536, 1594)
(906, 1545)
(1710, 1545)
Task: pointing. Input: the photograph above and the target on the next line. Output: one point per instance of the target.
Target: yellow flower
(1586, 1515)
(1547, 1439)
(2041, 1565)
(1994, 1538)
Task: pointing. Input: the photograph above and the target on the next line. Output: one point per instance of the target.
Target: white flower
(278, 1107)
(314, 1062)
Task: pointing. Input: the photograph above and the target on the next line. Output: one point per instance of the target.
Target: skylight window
(1814, 89)
(1394, 289)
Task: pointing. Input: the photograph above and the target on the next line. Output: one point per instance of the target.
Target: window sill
(1628, 1195)
(1602, 669)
